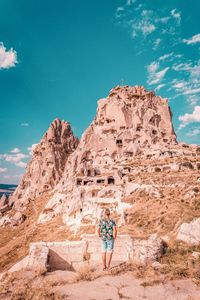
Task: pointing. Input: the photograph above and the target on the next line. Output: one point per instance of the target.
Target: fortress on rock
(130, 138)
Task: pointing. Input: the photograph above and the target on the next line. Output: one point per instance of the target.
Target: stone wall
(72, 255)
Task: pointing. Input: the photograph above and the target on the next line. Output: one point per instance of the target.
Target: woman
(107, 231)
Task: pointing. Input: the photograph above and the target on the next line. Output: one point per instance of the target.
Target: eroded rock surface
(190, 232)
(132, 134)
(46, 167)
(127, 159)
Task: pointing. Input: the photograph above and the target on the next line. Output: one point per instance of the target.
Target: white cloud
(144, 26)
(163, 19)
(193, 40)
(155, 76)
(195, 70)
(190, 86)
(15, 150)
(30, 149)
(159, 86)
(156, 44)
(193, 99)
(120, 8)
(194, 117)
(166, 56)
(15, 158)
(179, 85)
(24, 124)
(182, 66)
(143, 21)
(129, 2)
(8, 58)
(194, 132)
(21, 164)
(191, 91)
(153, 67)
(147, 28)
(12, 176)
(2, 170)
(176, 15)
(161, 74)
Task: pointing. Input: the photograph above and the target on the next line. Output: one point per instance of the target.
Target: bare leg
(104, 259)
(109, 257)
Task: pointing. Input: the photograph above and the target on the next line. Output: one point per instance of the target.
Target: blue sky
(57, 58)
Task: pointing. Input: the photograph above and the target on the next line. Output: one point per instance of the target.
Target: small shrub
(85, 273)
(180, 272)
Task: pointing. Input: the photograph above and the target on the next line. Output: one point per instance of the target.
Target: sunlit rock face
(131, 122)
(46, 167)
(127, 159)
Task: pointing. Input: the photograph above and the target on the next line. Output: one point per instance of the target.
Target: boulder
(190, 232)
(18, 218)
(147, 250)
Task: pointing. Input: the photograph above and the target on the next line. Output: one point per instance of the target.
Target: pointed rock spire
(47, 164)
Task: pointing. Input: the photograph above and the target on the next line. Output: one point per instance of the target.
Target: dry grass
(86, 273)
(148, 215)
(14, 241)
(26, 286)
(178, 262)
(151, 214)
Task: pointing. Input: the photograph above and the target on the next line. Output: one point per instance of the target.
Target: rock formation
(127, 159)
(190, 232)
(46, 167)
(3, 200)
(131, 123)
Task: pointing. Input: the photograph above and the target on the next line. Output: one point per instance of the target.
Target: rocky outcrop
(126, 154)
(15, 220)
(190, 232)
(36, 260)
(46, 167)
(149, 250)
(131, 122)
(3, 200)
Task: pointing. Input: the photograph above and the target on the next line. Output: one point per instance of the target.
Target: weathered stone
(18, 218)
(5, 208)
(95, 172)
(3, 200)
(46, 167)
(5, 220)
(72, 255)
(195, 255)
(147, 250)
(190, 232)
(131, 126)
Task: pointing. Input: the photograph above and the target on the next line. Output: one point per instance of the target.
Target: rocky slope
(127, 153)
(127, 159)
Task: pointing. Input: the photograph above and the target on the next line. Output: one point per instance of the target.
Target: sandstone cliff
(127, 159)
(131, 134)
(46, 167)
